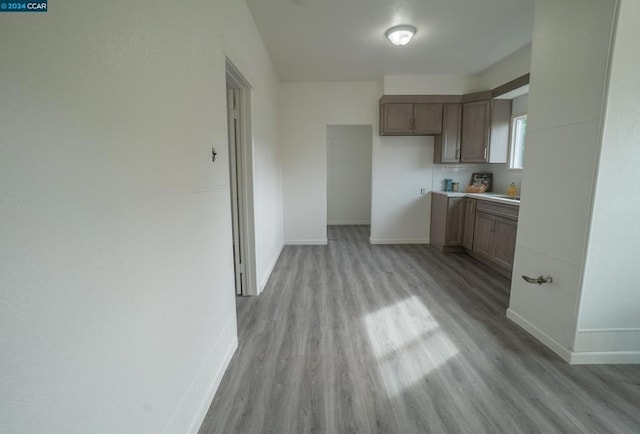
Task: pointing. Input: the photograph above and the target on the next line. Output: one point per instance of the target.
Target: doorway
(240, 179)
(349, 150)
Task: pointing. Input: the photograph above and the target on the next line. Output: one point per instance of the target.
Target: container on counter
(448, 184)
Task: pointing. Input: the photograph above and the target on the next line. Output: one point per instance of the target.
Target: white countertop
(493, 197)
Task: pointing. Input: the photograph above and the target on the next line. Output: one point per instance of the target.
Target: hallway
(353, 337)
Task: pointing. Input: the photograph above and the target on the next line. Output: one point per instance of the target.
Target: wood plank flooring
(352, 337)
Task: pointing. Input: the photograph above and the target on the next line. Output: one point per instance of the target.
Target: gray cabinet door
(504, 241)
(439, 209)
(469, 222)
(427, 119)
(476, 124)
(455, 221)
(483, 234)
(447, 145)
(397, 119)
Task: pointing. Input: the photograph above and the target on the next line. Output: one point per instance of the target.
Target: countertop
(492, 197)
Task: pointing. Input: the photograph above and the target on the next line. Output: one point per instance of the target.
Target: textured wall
(117, 308)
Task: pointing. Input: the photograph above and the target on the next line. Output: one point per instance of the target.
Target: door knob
(539, 280)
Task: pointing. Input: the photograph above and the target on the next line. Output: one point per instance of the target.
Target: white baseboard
(576, 357)
(606, 358)
(265, 279)
(193, 408)
(607, 340)
(348, 222)
(398, 241)
(319, 242)
(534, 331)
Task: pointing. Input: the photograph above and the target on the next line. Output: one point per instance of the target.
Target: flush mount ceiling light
(400, 35)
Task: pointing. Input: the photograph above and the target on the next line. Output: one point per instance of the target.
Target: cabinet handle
(457, 154)
(485, 153)
(539, 280)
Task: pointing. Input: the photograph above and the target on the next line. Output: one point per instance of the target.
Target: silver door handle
(539, 280)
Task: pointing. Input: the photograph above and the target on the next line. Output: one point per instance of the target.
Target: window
(518, 134)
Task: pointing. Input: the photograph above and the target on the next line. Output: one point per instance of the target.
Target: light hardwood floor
(352, 337)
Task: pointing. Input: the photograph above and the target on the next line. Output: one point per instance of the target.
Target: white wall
(568, 75)
(306, 109)
(349, 174)
(520, 105)
(430, 84)
(610, 305)
(116, 272)
(513, 66)
(402, 166)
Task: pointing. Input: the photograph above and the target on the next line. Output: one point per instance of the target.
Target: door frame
(244, 154)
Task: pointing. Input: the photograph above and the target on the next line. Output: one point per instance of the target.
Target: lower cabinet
(483, 234)
(504, 242)
(447, 222)
(494, 235)
(469, 222)
(486, 230)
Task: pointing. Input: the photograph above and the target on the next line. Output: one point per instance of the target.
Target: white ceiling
(331, 40)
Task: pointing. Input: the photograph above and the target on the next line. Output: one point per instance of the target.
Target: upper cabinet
(396, 119)
(427, 119)
(471, 128)
(404, 119)
(476, 123)
(485, 131)
(447, 145)
(414, 115)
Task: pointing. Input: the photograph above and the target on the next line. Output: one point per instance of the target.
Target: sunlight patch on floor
(407, 342)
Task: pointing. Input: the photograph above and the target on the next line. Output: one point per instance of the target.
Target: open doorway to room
(349, 149)
(241, 179)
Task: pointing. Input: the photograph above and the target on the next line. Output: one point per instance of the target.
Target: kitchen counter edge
(482, 196)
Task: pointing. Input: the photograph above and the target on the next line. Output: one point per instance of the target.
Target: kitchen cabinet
(483, 234)
(427, 119)
(447, 222)
(476, 122)
(485, 131)
(407, 119)
(485, 229)
(397, 119)
(471, 128)
(494, 235)
(447, 145)
(504, 241)
(469, 222)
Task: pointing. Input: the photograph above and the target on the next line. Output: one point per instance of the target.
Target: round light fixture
(400, 35)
